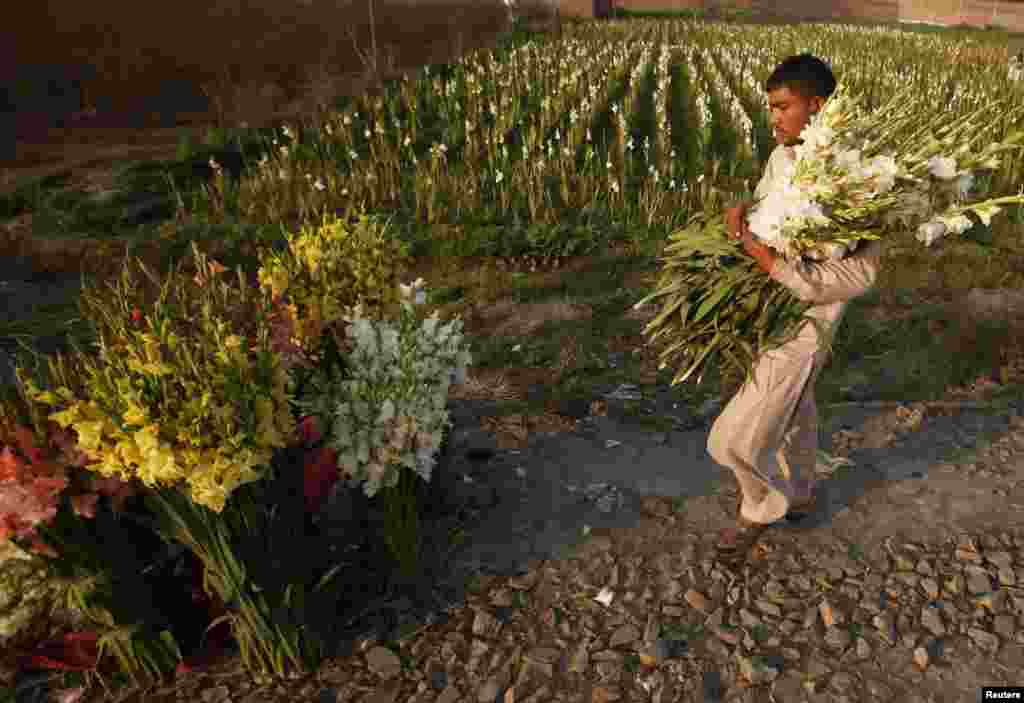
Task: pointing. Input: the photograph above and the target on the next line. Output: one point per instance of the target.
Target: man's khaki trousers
(768, 433)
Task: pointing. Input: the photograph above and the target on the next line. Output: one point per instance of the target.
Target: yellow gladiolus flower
(65, 418)
(135, 415)
(89, 434)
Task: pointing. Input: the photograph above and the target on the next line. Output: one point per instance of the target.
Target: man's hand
(736, 220)
(739, 230)
(761, 253)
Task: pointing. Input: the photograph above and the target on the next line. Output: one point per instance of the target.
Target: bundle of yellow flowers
(327, 270)
(184, 389)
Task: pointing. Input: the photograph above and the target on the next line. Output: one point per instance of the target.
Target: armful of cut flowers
(856, 177)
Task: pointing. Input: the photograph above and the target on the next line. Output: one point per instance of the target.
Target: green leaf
(712, 299)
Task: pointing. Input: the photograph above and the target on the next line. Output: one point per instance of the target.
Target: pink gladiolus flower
(69, 695)
(10, 465)
(41, 547)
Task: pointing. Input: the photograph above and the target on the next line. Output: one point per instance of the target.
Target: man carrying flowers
(767, 434)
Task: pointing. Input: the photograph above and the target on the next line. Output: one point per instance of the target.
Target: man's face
(791, 113)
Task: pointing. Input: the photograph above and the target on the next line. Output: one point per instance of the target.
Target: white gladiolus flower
(930, 232)
(942, 167)
(958, 224)
(319, 184)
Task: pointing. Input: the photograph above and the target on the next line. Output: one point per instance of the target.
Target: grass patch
(915, 356)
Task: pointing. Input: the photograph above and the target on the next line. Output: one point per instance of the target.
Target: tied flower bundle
(323, 272)
(856, 176)
(63, 552)
(186, 392)
(391, 411)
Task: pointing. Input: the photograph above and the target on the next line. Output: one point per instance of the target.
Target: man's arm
(831, 281)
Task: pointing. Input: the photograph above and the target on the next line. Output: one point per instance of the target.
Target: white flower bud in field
(352, 154)
(499, 177)
(942, 167)
(407, 141)
(366, 133)
(319, 185)
(930, 232)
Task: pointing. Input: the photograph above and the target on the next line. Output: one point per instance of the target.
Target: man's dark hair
(804, 74)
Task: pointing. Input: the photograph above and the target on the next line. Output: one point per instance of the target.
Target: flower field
(618, 126)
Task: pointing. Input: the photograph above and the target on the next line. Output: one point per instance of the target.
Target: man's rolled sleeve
(825, 282)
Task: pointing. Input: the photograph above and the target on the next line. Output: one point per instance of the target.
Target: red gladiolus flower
(309, 429)
(320, 475)
(75, 651)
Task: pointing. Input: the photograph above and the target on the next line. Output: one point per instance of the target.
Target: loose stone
(978, 581)
(932, 621)
(984, 640)
(383, 662)
(485, 624)
(837, 639)
(624, 635)
(696, 600)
